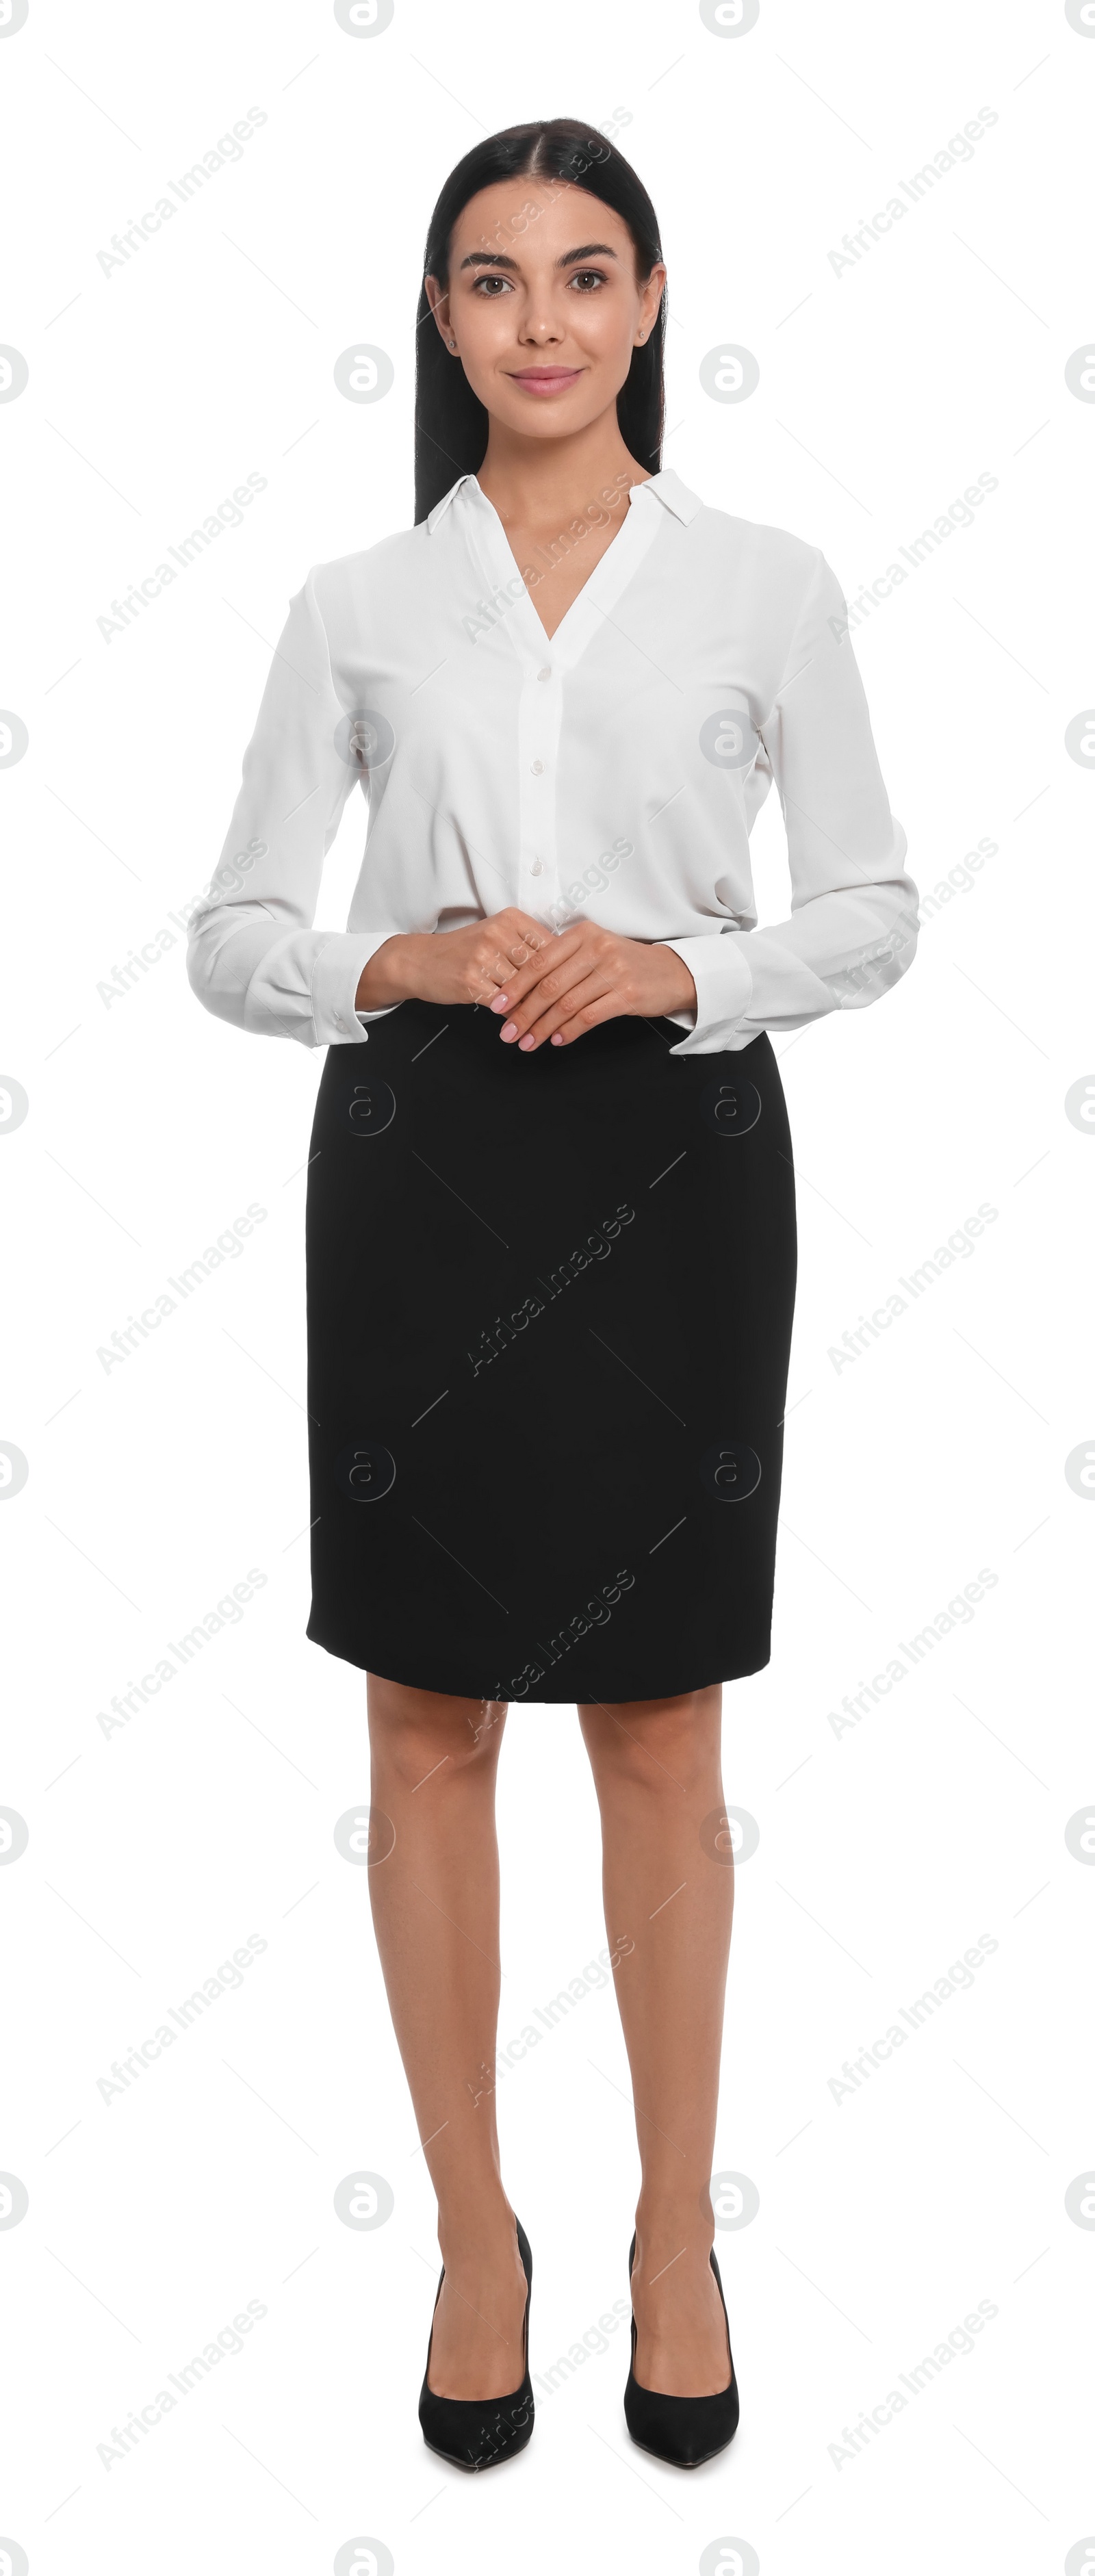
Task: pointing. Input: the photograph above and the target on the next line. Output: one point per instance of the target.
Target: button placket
(539, 725)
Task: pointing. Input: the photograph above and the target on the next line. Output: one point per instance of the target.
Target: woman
(551, 1227)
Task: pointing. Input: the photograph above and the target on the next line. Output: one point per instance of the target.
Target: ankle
(479, 2231)
(672, 2230)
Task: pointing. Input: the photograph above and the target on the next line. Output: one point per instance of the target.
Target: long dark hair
(450, 422)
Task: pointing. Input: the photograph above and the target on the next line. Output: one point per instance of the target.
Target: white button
(537, 768)
(537, 868)
(543, 675)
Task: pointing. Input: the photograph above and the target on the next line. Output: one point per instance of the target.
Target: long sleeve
(853, 925)
(253, 957)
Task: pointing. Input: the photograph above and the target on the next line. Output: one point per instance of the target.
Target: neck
(534, 482)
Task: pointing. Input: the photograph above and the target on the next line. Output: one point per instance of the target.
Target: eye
(595, 276)
(489, 281)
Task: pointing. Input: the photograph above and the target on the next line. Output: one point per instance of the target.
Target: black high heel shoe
(685, 2431)
(478, 2432)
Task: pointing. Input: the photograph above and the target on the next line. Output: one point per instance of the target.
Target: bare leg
(435, 1911)
(668, 1910)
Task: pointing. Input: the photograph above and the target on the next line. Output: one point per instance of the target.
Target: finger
(518, 935)
(542, 984)
(510, 940)
(513, 922)
(607, 1006)
(529, 971)
(596, 992)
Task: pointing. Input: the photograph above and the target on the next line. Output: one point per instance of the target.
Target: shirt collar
(667, 486)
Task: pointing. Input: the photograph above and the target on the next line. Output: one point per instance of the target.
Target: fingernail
(500, 1002)
(528, 1041)
(510, 1030)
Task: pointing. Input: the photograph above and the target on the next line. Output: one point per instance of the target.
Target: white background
(154, 1486)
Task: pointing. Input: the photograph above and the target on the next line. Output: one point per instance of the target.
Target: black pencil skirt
(549, 1318)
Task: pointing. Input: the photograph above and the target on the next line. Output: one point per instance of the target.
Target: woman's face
(543, 304)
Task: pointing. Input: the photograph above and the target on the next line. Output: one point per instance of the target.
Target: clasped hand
(553, 985)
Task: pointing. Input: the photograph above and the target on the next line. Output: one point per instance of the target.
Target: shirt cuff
(719, 969)
(335, 978)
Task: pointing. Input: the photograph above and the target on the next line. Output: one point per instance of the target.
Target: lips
(546, 380)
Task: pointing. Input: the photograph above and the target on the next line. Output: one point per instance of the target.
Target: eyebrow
(501, 258)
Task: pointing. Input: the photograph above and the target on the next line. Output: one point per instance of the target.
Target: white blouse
(613, 771)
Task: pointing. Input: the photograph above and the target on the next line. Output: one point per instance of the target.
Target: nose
(540, 331)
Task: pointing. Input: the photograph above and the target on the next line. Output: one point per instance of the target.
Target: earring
(452, 344)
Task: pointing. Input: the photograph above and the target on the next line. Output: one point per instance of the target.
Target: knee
(663, 1748)
(417, 1734)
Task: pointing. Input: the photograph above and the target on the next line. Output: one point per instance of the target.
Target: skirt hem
(536, 1694)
